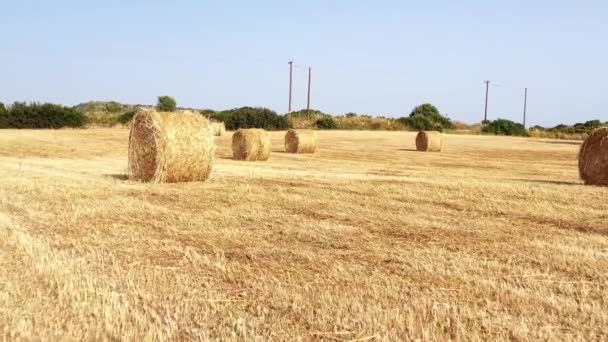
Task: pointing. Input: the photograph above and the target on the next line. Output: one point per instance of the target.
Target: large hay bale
(593, 158)
(251, 144)
(301, 141)
(429, 141)
(219, 128)
(170, 147)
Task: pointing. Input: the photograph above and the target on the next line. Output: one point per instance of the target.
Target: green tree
(3, 116)
(505, 127)
(166, 104)
(426, 117)
(593, 124)
(34, 115)
(251, 117)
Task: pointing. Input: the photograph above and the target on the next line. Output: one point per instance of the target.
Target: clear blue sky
(377, 57)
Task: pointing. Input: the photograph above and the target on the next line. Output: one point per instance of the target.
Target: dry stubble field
(495, 238)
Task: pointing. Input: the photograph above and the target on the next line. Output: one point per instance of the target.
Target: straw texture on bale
(301, 141)
(593, 158)
(251, 144)
(170, 147)
(219, 128)
(429, 141)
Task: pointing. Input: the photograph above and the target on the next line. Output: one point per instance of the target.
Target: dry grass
(494, 239)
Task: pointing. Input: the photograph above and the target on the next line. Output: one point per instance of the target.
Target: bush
(367, 122)
(208, 113)
(166, 104)
(505, 127)
(326, 123)
(125, 117)
(250, 117)
(114, 107)
(426, 117)
(421, 123)
(459, 125)
(3, 116)
(306, 119)
(305, 113)
(538, 128)
(34, 115)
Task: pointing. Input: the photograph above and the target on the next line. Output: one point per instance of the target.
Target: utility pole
(309, 80)
(290, 83)
(525, 105)
(485, 116)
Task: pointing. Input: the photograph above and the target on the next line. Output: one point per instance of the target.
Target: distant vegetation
(125, 117)
(326, 123)
(426, 117)
(35, 115)
(505, 127)
(577, 131)
(166, 104)
(422, 117)
(250, 117)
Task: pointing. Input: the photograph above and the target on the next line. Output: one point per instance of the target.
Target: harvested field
(494, 238)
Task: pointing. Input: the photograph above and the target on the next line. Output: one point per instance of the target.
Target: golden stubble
(493, 238)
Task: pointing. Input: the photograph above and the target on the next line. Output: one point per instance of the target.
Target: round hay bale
(301, 141)
(251, 144)
(170, 147)
(593, 158)
(429, 141)
(219, 128)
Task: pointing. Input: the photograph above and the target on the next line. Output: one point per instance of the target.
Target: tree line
(423, 117)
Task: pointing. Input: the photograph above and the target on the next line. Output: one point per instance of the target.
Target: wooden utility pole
(309, 80)
(485, 116)
(290, 83)
(525, 105)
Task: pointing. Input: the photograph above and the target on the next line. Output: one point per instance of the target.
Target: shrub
(208, 113)
(460, 125)
(426, 117)
(326, 123)
(114, 107)
(281, 122)
(421, 123)
(125, 117)
(305, 113)
(366, 122)
(538, 128)
(505, 127)
(250, 117)
(34, 115)
(593, 124)
(166, 104)
(3, 116)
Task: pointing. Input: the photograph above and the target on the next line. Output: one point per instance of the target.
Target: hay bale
(429, 141)
(170, 147)
(251, 144)
(301, 141)
(593, 158)
(219, 128)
